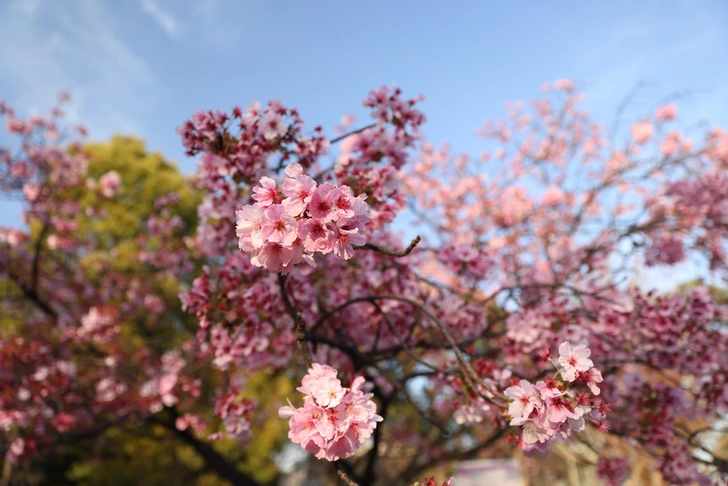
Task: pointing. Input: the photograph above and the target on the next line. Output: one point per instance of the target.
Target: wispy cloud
(77, 47)
(160, 16)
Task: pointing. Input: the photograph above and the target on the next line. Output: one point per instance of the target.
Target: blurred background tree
(143, 452)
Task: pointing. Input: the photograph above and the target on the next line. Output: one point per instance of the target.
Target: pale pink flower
(249, 227)
(642, 131)
(267, 193)
(552, 196)
(278, 226)
(321, 383)
(294, 170)
(299, 192)
(525, 399)
(252, 113)
(273, 256)
(272, 125)
(573, 360)
(315, 236)
(334, 421)
(316, 372)
(548, 389)
(533, 433)
(566, 85)
(666, 112)
(110, 183)
(559, 409)
(342, 240)
(592, 377)
(31, 192)
(342, 202)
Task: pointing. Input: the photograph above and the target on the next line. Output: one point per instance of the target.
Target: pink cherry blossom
(573, 360)
(278, 226)
(334, 421)
(299, 191)
(249, 228)
(525, 399)
(267, 193)
(642, 131)
(110, 183)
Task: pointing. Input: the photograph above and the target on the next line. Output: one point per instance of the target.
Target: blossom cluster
(285, 227)
(549, 409)
(235, 413)
(431, 482)
(334, 421)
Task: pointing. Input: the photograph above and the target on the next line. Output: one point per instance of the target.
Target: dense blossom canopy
(511, 321)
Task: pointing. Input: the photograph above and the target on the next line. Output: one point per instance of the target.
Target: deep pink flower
(320, 205)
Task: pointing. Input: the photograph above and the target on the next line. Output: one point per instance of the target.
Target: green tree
(146, 452)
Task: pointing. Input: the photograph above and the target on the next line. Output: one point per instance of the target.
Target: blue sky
(143, 66)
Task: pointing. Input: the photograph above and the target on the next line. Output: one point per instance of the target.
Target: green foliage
(144, 178)
(144, 453)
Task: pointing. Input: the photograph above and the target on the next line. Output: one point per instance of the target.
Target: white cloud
(75, 47)
(164, 19)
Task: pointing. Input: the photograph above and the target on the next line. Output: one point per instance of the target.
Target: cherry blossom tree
(510, 320)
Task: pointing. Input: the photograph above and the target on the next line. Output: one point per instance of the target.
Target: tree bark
(213, 459)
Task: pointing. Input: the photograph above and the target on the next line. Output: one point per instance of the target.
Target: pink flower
(31, 192)
(573, 360)
(249, 228)
(334, 421)
(591, 378)
(278, 226)
(252, 113)
(282, 229)
(666, 112)
(299, 192)
(273, 256)
(552, 196)
(341, 202)
(566, 85)
(525, 399)
(110, 183)
(315, 236)
(321, 383)
(272, 125)
(559, 409)
(342, 240)
(642, 131)
(320, 205)
(267, 194)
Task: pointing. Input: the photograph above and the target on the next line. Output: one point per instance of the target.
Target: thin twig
(301, 339)
(343, 475)
(392, 253)
(358, 130)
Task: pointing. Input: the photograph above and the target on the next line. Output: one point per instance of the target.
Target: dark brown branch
(358, 130)
(344, 476)
(32, 295)
(213, 459)
(392, 253)
(35, 271)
